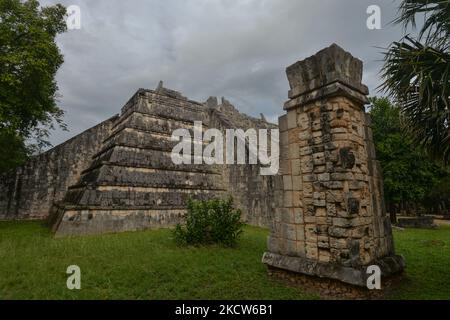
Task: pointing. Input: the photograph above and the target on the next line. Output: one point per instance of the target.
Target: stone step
(146, 142)
(140, 139)
(68, 206)
(156, 97)
(152, 123)
(145, 95)
(134, 110)
(124, 196)
(75, 221)
(130, 137)
(151, 177)
(146, 158)
(173, 111)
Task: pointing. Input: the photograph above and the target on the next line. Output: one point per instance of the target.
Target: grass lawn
(148, 265)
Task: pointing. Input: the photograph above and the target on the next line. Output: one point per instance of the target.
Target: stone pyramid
(132, 183)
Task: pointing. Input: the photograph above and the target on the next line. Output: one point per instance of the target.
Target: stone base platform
(355, 276)
(330, 289)
(76, 222)
(426, 222)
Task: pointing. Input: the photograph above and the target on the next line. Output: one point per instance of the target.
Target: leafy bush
(210, 222)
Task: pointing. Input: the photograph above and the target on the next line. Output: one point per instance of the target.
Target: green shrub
(210, 222)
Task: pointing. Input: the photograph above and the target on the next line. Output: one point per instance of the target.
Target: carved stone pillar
(332, 223)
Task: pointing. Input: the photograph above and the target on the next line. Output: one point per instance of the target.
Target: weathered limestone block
(147, 158)
(123, 175)
(133, 196)
(147, 102)
(146, 122)
(343, 227)
(84, 222)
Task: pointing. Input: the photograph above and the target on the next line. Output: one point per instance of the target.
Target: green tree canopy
(410, 176)
(29, 60)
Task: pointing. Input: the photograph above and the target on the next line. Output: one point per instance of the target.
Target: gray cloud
(233, 48)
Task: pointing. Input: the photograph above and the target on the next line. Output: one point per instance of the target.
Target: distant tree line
(414, 182)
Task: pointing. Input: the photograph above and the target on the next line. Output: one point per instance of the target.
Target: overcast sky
(233, 48)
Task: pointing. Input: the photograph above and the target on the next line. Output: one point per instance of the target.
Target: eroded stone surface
(30, 191)
(333, 223)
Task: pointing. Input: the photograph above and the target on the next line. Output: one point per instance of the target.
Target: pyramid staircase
(132, 183)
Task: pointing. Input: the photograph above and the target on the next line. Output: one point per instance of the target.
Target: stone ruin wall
(253, 193)
(31, 191)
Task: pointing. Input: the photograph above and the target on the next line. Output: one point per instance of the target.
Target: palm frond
(436, 26)
(417, 77)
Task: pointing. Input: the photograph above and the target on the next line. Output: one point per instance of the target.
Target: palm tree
(417, 74)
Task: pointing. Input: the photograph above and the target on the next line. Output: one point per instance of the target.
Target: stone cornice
(333, 89)
(332, 71)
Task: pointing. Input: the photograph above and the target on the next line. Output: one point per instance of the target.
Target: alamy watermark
(374, 20)
(73, 19)
(74, 279)
(239, 147)
(374, 280)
